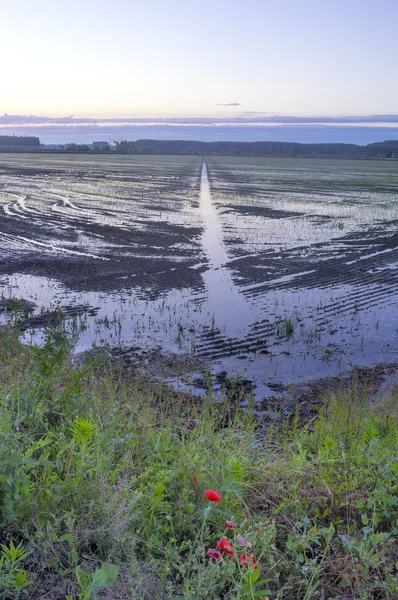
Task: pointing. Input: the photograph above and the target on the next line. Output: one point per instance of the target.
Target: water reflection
(232, 312)
(309, 246)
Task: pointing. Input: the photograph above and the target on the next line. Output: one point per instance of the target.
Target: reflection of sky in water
(339, 320)
(232, 313)
(323, 343)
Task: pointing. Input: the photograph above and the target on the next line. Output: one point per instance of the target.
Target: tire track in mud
(16, 206)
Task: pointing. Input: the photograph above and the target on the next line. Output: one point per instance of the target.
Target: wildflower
(231, 525)
(243, 541)
(226, 545)
(213, 496)
(214, 554)
(247, 560)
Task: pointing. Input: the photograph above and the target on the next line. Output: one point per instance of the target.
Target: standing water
(285, 270)
(231, 311)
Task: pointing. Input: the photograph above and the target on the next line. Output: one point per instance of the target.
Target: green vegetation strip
(113, 487)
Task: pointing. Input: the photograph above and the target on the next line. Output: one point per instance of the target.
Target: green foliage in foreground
(102, 481)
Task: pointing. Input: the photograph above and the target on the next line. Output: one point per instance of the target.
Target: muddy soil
(89, 228)
(274, 271)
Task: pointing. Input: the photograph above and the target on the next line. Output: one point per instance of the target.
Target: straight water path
(232, 313)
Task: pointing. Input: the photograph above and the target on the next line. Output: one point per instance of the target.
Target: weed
(13, 578)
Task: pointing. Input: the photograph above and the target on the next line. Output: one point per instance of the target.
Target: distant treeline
(387, 149)
(19, 141)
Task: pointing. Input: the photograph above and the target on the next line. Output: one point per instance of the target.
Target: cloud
(243, 118)
(133, 127)
(30, 119)
(229, 104)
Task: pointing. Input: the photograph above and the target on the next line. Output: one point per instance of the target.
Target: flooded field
(279, 270)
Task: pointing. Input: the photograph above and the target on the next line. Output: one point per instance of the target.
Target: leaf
(254, 575)
(13, 553)
(377, 538)
(263, 582)
(105, 576)
(82, 577)
(67, 537)
(41, 443)
(22, 580)
(366, 530)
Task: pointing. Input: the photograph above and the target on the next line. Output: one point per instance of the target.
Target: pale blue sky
(183, 57)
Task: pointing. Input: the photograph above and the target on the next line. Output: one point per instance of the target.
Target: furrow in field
(363, 301)
(219, 345)
(216, 346)
(349, 298)
(334, 270)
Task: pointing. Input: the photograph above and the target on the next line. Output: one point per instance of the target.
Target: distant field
(282, 269)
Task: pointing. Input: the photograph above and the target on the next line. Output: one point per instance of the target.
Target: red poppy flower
(213, 496)
(226, 545)
(231, 525)
(247, 560)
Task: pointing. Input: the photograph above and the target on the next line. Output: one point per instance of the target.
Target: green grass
(103, 474)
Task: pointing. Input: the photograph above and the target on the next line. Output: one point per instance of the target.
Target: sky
(186, 58)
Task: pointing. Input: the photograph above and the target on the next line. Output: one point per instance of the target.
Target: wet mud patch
(149, 276)
(260, 211)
